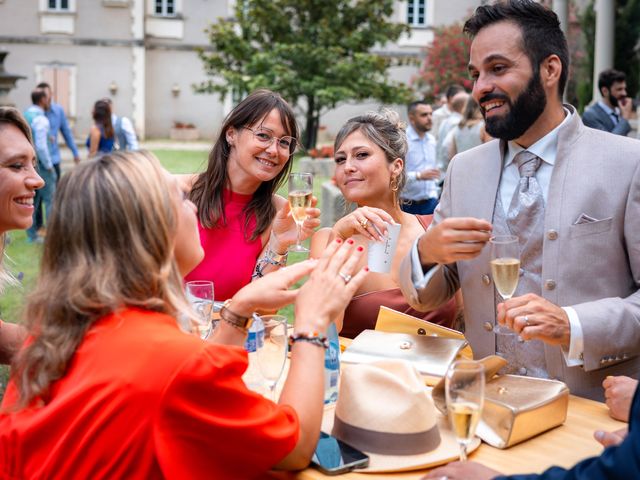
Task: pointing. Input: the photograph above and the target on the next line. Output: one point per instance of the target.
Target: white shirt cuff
(419, 277)
(574, 357)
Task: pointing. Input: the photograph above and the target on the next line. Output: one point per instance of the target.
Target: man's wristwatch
(233, 319)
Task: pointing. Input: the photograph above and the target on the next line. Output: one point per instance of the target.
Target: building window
(58, 5)
(417, 13)
(165, 8)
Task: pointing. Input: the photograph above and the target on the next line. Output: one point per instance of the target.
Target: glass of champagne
(464, 387)
(505, 269)
(272, 355)
(300, 194)
(200, 295)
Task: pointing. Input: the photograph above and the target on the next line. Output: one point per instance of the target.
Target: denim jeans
(43, 196)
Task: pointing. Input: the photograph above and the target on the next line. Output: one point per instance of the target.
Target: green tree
(315, 53)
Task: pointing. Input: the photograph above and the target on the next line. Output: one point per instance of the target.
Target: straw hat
(385, 410)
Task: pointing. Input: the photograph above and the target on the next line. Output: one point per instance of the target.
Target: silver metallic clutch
(516, 408)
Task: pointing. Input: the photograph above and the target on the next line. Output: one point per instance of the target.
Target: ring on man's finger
(345, 276)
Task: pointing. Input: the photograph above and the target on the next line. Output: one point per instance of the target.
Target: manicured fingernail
(599, 434)
(350, 241)
(366, 269)
(338, 240)
(360, 249)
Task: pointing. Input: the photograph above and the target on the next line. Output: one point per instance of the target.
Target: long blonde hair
(109, 245)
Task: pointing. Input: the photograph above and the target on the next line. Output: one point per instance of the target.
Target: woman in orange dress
(108, 386)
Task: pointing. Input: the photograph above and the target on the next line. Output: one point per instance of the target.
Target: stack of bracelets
(313, 338)
(270, 258)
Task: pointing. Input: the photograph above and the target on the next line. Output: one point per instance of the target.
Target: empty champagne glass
(505, 269)
(200, 295)
(464, 387)
(272, 355)
(300, 194)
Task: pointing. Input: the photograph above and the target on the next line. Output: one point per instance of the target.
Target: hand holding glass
(272, 355)
(300, 195)
(200, 295)
(464, 387)
(505, 268)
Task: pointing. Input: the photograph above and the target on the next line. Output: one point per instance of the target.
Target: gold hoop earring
(393, 185)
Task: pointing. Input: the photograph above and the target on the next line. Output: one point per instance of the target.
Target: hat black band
(386, 443)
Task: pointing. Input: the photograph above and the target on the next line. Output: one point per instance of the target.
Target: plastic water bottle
(331, 365)
(252, 377)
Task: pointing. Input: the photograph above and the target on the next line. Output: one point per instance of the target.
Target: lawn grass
(23, 258)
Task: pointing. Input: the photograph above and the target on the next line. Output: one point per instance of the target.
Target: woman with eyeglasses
(245, 228)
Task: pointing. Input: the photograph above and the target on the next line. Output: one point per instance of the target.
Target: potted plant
(184, 132)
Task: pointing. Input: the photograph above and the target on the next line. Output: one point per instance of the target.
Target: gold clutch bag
(430, 355)
(390, 320)
(516, 408)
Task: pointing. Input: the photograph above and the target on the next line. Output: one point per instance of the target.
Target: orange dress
(142, 400)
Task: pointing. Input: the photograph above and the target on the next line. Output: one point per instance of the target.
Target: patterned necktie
(527, 204)
(616, 119)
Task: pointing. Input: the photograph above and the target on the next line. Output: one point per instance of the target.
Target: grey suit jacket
(592, 265)
(596, 117)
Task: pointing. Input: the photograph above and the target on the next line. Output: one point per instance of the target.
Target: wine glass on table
(200, 295)
(300, 194)
(272, 354)
(464, 389)
(505, 269)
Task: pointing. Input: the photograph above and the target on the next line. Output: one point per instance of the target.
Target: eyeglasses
(286, 144)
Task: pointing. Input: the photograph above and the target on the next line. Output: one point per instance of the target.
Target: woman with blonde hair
(108, 386)
(369, 155)
(19, 181)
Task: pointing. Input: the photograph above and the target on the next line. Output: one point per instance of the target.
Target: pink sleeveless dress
(229, 255)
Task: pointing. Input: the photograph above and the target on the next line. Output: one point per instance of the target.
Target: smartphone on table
(333, 457)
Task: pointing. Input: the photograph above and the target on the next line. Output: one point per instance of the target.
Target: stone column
(561, 7)
(605, 35)
(139, 66)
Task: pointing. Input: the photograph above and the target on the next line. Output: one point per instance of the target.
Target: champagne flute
(464, 387)
(300, 194)
(200, 295)
(272, 354)
(505, 269)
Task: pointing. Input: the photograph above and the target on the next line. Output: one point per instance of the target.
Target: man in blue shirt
(39, 123)
(420, 194)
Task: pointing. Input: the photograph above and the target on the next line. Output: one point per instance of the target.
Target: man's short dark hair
(540, 28)
(37, 96)
(453, 90)
(413, 105)
(43, 85)
(608, 77)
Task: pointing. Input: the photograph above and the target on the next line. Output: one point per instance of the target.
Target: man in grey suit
(612, 113)
(577, 304)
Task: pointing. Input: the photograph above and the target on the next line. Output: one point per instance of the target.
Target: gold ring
(345, 276)
(364, 223)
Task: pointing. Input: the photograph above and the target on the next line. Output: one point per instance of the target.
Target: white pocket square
(584, 218)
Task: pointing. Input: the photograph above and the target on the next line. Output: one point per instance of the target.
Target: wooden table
(563, 446)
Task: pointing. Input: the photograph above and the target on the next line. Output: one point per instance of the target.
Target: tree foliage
(315, 53)
(445, 62)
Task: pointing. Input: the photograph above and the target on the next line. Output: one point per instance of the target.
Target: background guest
(126, 137)
(613, 111)
(369, 155)
(470, 132)
(40, 127)
(443, 112)
(420, 194)
(444, 138)
(243, 224)
(102, 136)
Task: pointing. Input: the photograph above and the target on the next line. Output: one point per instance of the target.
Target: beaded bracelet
(269, 258)
(313, 337)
